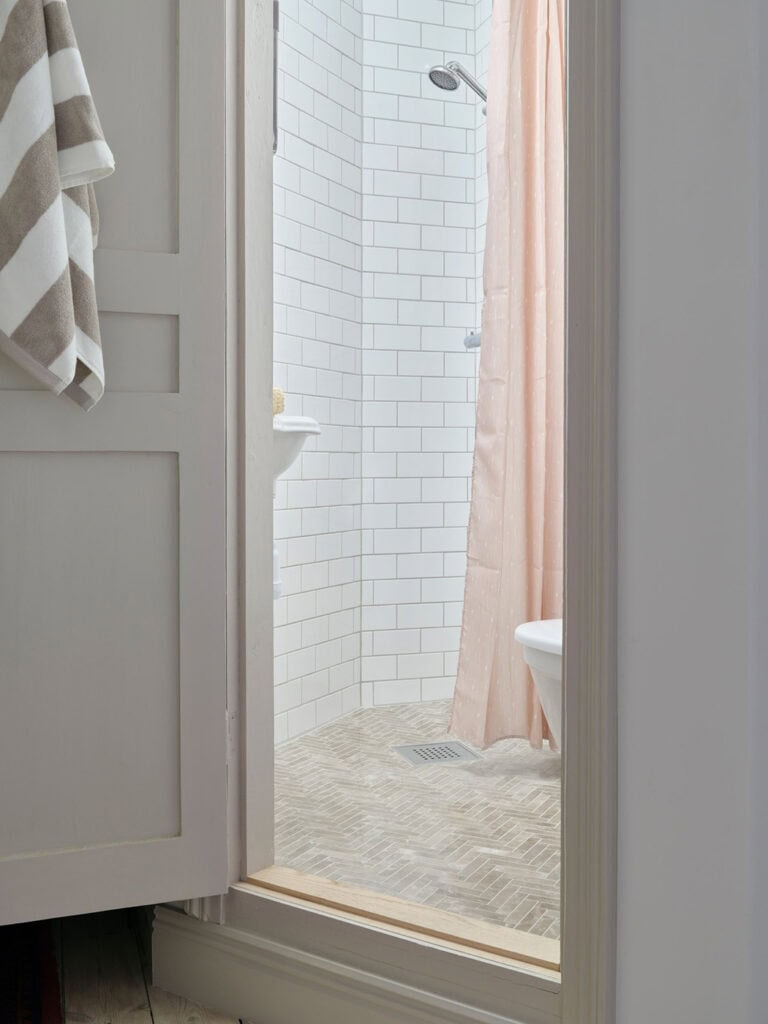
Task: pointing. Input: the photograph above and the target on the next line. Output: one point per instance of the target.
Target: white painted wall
(693, 849)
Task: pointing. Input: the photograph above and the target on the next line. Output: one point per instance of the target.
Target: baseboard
(256, 979)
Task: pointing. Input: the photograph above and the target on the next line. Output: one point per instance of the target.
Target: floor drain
(448, 752)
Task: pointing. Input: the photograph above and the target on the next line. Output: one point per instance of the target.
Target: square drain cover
(447, 752)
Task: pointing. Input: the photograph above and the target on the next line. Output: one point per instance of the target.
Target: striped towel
(51, 151)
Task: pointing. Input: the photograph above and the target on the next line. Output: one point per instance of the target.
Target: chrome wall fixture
(447, 76)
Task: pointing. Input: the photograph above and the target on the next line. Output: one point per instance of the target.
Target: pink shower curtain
(515, 546)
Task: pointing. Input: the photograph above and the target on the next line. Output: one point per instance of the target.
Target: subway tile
(397, 286)
(394, 133)
(399, 490)
(397, 439)
(386, 8)
(460, 314)
(288, 695)
(341, 38)
(444, 439)
(444, 239)
(452, 613)
(397, 388)
(396, 592)
(416, 261)
(449, 589)
(281, 729)
(420, 665)
(380, 414)
(421, 161)
(444, 38)
(420, 615)
(379, 516)
(380, 259)
(421, 211)
(424, 111)
(447, 389)
(457, 514)
(378, 667)
(451, 140)
(396, 541)
(440, 639)
(420, 465)
(381, 104)
(417, 58)
(460, 115)
(451, 663)
(301, 662)
(425, 11)
(301, 720)
(394, 691)
(397, 183)
(393, 30)
(419, 414)
(420, 565)
(380, 54)
(400, 337)
(329, 708)
(449, 538)
(439, 687)
(444, 289)
(377, 617)
(452, 190)
(381, 157)
(459, 164)
(397, 641)
(421, 515)
(422, 364)
(396, 235)
(419, 313)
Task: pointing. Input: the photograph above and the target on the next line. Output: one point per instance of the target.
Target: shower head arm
(467, 78)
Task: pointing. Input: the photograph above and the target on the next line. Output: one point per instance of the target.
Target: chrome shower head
(444, 78)
(447, 76)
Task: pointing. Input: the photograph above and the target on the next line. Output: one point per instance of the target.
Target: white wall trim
(256, 307)
(590, 810)
(206, 908)
(243, 974)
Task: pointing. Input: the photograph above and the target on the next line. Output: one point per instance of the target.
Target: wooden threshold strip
(390, 910)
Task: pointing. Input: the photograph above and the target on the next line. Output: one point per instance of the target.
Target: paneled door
(112, 523)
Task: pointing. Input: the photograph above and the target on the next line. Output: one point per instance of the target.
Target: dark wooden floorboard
(105, 965)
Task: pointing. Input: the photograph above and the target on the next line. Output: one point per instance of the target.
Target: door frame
(271, 932)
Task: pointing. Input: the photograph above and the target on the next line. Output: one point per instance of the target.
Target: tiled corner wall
(318, 264)
(419, 277)
(377, 220)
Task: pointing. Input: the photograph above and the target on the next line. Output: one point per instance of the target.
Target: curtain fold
(515, 540)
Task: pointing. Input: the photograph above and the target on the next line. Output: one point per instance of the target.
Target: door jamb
(590, 755)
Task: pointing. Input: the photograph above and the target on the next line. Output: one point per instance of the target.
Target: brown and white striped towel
(51, 151)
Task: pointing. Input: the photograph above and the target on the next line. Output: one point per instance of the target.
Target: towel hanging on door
(52, 149)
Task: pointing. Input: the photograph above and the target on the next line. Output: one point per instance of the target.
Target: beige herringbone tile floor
(479, 838)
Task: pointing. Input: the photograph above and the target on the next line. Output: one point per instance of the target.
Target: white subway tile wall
(379, 209)
(318, 360)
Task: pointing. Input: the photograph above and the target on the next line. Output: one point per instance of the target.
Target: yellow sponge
(278, 401)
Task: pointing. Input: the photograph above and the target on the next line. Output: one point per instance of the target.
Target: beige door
(112, 523)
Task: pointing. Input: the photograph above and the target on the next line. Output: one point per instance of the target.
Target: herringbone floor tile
(479, 838)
